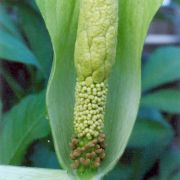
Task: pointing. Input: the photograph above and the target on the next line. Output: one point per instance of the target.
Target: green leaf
(165, 100)
(124, 83)
(120, 172)
(149, 132)
(44, 157)
(162, 67)
(150, 113)
(7, 24)
(177, 1)
(148, 140)
(169, 164)
(23, 124)
(13, 49)
(37, 36)
(176, 176)
(17, 173)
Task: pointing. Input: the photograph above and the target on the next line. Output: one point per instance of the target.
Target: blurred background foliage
(26, 56)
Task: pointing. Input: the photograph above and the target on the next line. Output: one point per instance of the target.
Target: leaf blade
(167, 59)
(166, 100)
(149, 132)
(24, 123)
(7, 24)
(13, 49)
(37, 35)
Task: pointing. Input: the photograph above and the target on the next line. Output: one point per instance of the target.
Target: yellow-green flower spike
(95, 51)
(89, 109)
(95, 47)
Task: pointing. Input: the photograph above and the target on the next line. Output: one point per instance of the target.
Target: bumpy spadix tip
(96, 40)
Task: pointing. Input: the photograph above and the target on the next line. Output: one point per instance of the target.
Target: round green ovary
(95, 51)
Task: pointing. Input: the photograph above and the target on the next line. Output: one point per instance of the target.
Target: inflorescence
(88, 144)
(89, 109)
(94, 56)
(87, 153)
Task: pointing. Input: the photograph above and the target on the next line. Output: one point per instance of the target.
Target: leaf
(150, 113)
(17, 173)
(176, 176)
(7, 24)
(13, 49)
(120, 172)
(169, 164)
(162, 67)
(149, 139)
(44, 157)
(165, 100)
(149, 132)
(37, 36)
(12, 45)
(23, 124)
(124, 84)
(145, 159)
(177, 1)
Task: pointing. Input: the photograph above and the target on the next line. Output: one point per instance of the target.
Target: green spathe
(61, 17)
